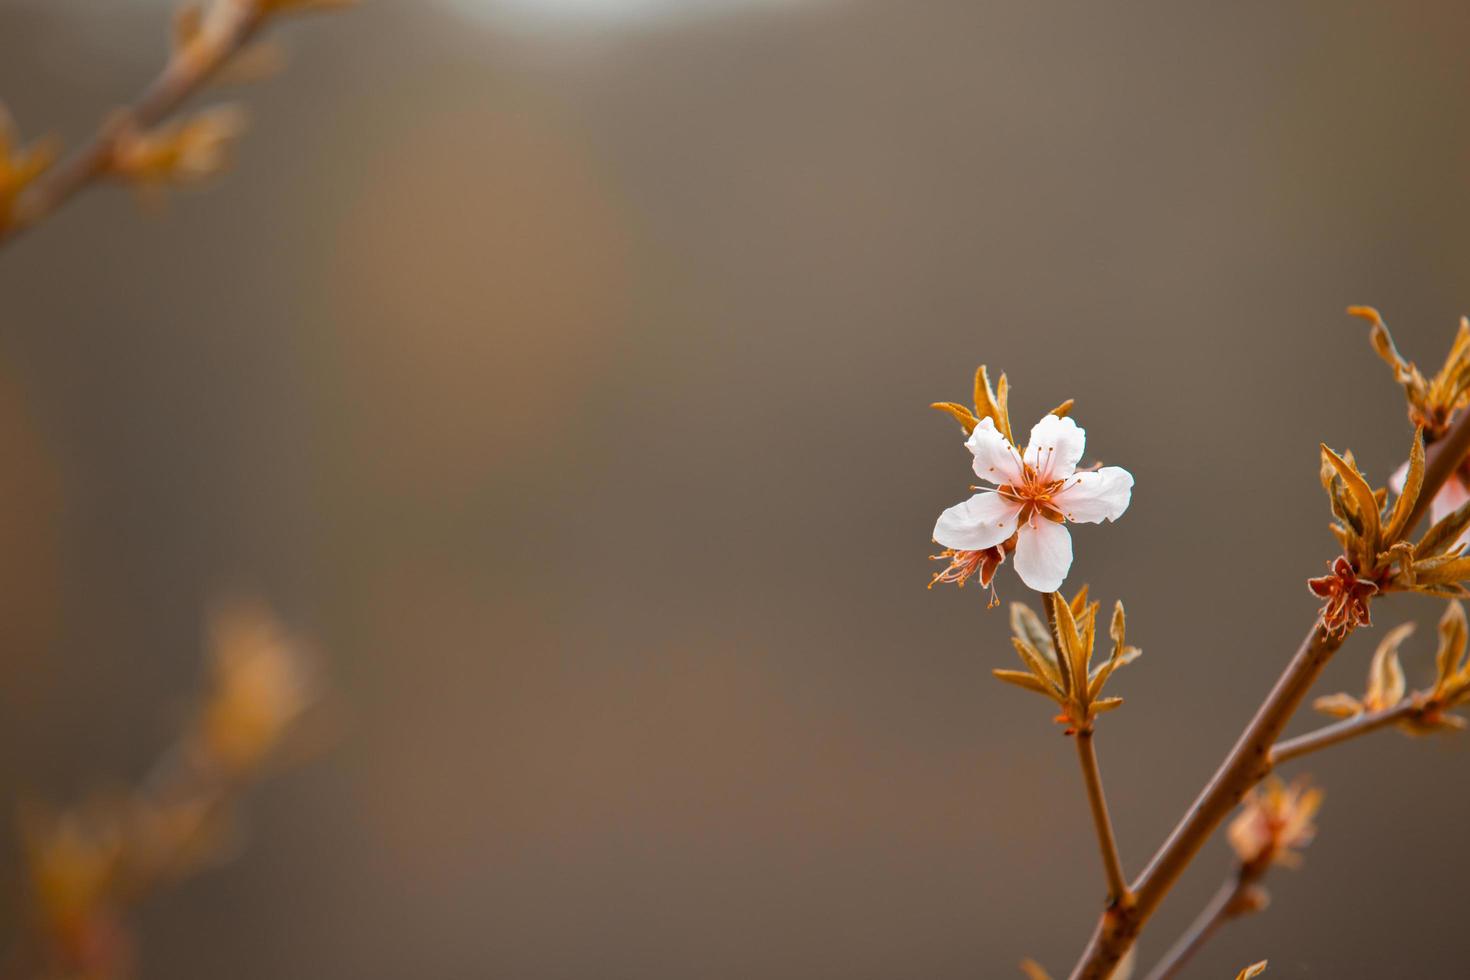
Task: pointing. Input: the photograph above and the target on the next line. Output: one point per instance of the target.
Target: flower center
(1035, 495)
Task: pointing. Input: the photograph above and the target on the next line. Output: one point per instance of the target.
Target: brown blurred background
(564, 373)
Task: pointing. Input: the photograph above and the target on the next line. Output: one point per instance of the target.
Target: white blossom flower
(1037, 493)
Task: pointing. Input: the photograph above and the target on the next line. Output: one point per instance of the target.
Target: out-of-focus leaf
(1338, 705)
(1034, 970)
(1386, 683)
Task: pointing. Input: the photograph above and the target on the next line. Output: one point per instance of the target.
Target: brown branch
(186, 72)
(1235, 898)
(1371, 721)
(1246, 764)
(1238, 896)
(1118, 893)
(1248, 761)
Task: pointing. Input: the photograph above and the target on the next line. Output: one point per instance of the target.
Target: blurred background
(561, 368)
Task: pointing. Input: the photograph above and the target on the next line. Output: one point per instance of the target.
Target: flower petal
(984, 520)
(1096, 496)
(1043, 554)
(1055, 447)
(996, 460)
(1399, 478)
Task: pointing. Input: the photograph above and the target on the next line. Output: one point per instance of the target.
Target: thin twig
(185, 73)
(1230, 902)
(1247, 762)
(1118, 892)
(1199, 932)
(1371, 721)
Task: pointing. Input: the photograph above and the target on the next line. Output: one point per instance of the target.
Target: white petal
(984, 520)
(996, 460)
(1399, 478)
(1043, 554)
(1096, 496)
(1451, 497)
(1055, 447)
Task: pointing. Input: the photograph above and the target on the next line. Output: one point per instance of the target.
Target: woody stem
(1118, 893)
(1247, 762)
(1329, 735)
(1226, 905)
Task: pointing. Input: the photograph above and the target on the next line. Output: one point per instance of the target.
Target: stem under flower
(1118, 893)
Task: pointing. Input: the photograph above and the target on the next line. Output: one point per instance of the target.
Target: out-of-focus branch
(91, 863)
(218, 36)
(1224, 906)
(232, 26)
(1272, 828)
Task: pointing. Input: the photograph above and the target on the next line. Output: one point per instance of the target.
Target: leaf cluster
(1372, 532)
(1387, 687)
(1432, 401)
(1058, 660)
(991, 403)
